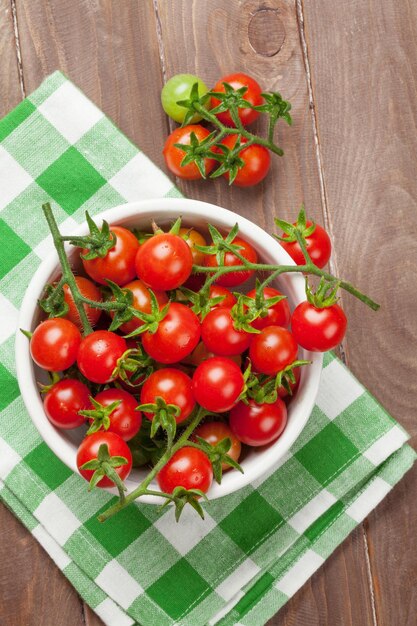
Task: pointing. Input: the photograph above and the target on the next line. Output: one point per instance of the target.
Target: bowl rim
(256, 469)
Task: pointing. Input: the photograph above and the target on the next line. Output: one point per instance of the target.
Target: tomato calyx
(230, 100)
(197, 151)
(201, 301)
(299, 228)
(53, 301)
(104, 465)
(133, 366)
(229, 159)
(99, 415)
(221, 244)
(325, 294)
(276, 107)
(163, 417)
(181, 496)
(98, 242)
(194, 104)
(150, 320)
(54, 378)
(217, 455)
(263, 389)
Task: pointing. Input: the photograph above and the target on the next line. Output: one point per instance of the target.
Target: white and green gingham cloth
(256, 547)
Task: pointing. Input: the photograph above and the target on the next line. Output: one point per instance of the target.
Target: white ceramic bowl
(195, 213)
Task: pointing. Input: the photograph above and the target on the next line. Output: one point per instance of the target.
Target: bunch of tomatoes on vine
(165, 357)
(230, 150)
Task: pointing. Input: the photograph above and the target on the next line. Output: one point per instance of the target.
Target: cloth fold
(257, 546)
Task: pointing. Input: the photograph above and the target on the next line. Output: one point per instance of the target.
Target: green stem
(142, 489)
(67, 274)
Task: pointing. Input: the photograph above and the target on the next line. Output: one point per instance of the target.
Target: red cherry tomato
(189, 468)
(63, 401)
(217, 384)
(177, 335)
(119, 263)
(232, 279)
(141, 302)
(258, 424)
(252, 95)
(213, 433)
(171, 385)
(277, 315)
(164, 261)
(256, 162)
(318, 329)
(98, 355)
(89, 290)
(125, 420)
(272, 350)
(318, 243)
(229, 299)
(220, 336)
(54, 344)
(88, 451)
(174, 156)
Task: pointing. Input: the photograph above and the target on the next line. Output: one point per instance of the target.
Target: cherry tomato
(217, 384)
(193, 238)
(88, 451)
(318, 243)
(119, 263)
(173, 156)
(277, 315)
(125, 420)
(54, 344)
(256, 159)
(282, 391)
(171, 385)
(200, 354)
(189, 468)
(141, 302)
(98, 355)
(213, 433)
(164, 261)
(252, 95)
(234, 278)
(229, 299)
(318, 329)
(220, 336)
(258, 424)
(63, 401)
(177, 335)
(89, 290)
(179, 88)
(272, 350)
(195, 282)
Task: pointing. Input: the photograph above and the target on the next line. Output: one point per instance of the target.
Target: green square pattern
(248, 541)
(327, 454)
(13, 249)
(178, 588)
(70, 180)
(47, 466)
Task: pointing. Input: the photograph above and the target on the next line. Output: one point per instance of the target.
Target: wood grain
(365, 87)
(9, 72)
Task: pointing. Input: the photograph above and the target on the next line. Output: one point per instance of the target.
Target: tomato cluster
(234, 355)
(240, 165)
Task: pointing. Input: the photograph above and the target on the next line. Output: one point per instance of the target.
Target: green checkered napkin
(257, 546)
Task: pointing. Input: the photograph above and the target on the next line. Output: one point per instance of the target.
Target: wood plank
(9, 71)
(262, 38)
(365, 85)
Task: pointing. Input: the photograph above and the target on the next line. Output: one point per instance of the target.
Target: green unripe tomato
(179, 88)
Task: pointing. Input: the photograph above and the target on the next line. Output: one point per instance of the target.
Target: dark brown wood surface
(349, 69)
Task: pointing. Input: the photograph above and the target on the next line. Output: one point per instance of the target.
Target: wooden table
(349, 69)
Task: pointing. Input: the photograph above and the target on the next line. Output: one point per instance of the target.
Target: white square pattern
(8, 318)
(8, 459)
(46, 246)
(338, 389)
(111, 614)
(299, 573)
(118, 584)
(66, 104)
(54, 550)
(13, 178)
(188, 532)
(383, 447)
(369, 498)
(312, 511)
(140, 179)
(57, 518)
(237, 579)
